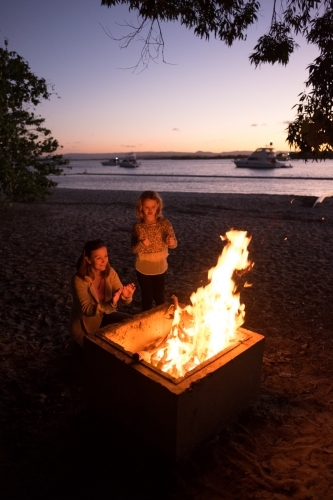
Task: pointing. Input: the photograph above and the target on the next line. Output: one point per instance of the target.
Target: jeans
(152, 289)
(115, 317)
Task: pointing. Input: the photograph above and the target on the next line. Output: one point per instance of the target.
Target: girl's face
(98, 259)
(149, 209)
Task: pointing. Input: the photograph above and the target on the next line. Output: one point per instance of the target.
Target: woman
(97, 291)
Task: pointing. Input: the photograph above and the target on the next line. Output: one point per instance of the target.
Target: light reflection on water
(201, 176)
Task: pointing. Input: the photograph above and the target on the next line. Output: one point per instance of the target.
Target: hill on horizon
(155, 155)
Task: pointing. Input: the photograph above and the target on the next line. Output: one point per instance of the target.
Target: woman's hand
(115, 298)
(171, 241)
(145, 241)
(128, 291)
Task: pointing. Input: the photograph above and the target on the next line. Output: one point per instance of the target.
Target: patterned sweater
(152, 259)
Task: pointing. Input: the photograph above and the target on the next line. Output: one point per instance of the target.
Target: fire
(209, 324)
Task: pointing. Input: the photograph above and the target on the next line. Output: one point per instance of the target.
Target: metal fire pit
(173, 415)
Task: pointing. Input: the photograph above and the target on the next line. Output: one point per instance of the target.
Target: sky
(208, 97)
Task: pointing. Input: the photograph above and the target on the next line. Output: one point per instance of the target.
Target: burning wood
(203, 329)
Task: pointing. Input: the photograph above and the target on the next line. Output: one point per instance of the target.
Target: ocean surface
(200, 176)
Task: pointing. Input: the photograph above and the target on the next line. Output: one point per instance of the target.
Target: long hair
(83, 268)
(148, 195)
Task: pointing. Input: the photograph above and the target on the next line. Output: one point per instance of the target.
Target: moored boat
(283, 156)
(262, 158)
(111, 162)
(129, 161)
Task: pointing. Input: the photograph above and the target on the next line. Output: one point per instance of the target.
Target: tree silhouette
(24, 140)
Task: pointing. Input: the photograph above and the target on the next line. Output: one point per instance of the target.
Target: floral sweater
(152, 259)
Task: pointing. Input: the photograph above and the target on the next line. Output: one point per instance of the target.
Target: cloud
(175, 129)
(128, 146)
(254, 125)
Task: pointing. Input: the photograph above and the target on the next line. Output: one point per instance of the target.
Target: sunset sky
(208, 98)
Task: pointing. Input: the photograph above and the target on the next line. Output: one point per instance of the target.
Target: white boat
(283, 156)
(129, 161)
(262, 158)
(111, 162)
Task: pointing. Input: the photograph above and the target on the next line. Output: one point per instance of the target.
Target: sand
(281, 447)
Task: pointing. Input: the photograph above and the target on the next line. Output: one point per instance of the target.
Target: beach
(280, 447)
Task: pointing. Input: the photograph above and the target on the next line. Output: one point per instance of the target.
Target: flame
(203, 329)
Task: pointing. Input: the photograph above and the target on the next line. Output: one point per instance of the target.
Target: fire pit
(174, 416)
(175, 376)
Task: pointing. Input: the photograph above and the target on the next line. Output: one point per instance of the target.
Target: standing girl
(152, 236)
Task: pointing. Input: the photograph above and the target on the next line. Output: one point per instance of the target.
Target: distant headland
(173, 155)
(163, 155)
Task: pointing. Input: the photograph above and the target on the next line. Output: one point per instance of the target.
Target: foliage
(228, 20)
(26, 146)
(312, 130)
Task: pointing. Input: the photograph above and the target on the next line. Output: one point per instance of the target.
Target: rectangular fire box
(174, 415)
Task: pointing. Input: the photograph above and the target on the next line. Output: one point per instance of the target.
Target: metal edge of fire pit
(166, 312)
(131, 358)
(174, 380)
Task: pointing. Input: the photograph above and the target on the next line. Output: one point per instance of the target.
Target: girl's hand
(115, 298)
(128, 291)
(171, 241)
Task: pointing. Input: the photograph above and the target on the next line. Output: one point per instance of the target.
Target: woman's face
(98, 259)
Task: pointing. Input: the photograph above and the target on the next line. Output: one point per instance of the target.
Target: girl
(97, 290)
(152, 236)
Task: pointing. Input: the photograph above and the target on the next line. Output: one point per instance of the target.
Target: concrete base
(172, 418)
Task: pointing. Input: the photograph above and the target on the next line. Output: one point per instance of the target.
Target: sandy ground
(281, 447)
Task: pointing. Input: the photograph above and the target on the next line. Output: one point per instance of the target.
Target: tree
(312, 130)
(228, 20)
(26, 146)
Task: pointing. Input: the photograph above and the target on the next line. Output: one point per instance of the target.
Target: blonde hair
(148, 195)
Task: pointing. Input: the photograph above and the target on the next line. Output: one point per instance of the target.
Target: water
(201, 176)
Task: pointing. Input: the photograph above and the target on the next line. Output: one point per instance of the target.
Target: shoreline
(51, 447)
(70, 195)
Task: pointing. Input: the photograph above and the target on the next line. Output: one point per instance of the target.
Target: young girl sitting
(152, 236)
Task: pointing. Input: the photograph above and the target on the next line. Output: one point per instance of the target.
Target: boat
(129, 161)
(283, 156)
(111, 162)
(262, 158)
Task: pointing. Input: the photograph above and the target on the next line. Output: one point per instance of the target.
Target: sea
(200, 176)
